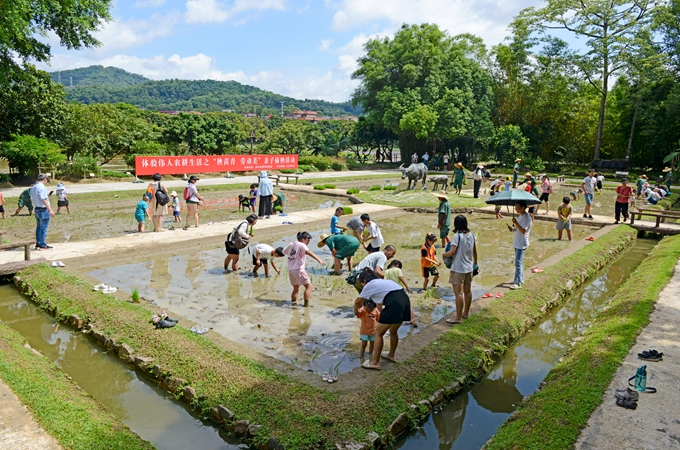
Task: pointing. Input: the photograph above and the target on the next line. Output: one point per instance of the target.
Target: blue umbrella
(511, 197)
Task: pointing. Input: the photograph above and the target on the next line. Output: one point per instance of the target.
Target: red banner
(169, 165)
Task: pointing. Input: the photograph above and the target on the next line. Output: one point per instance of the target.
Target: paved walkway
(18, 428)
(655, 424)
(76, 188)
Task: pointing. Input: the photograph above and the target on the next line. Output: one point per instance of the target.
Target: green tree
(609, 28)
(208, 134)
(294, 136)
(28, 154)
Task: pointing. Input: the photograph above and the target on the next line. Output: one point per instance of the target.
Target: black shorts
(427, 271)
(63, 202)
(599, 185)
(263, 261)
(544, 197)
(396, 308)
(532, 209)
(2, 209)
(372, 249)
(230, 249)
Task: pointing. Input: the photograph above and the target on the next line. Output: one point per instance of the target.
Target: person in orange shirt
(369, 315)
(428, 261)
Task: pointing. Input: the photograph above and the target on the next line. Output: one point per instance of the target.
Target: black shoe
(165, 324)
(45, 247)
(590, 217)
(585, 216)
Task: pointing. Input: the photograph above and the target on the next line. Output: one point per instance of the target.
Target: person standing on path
(446, 162)
(521, 229)
(426, 160)
(62, 198)
(457, 177)
(546, 190)
(669, 177)
(464, 252)
(43, 211)
(623, 194)
(194, 199)
(395, 309)
(265, 191)
(372, 233)
(478, 178)
(341, 246)
(444, 218)
(24, 200)
(515, 172)
(588, 186)
(414, 158)
(157, 211)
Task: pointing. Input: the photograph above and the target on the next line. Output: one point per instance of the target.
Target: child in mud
(395, 274)
(335, 221)
(497, 210)
(564, 212)
(428, 261)
(264, 253)
(243, 203)
(253, 196)
(297, 254)
(142, 213)
(369, 316)
(176, 212)
(576, 193)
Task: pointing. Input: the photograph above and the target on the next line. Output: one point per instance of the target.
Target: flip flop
(536, 270)
(325, 376)
(499, 295)
(590, 238)
(487, 295)
(367, 365)
(384, 356)
(453, 322)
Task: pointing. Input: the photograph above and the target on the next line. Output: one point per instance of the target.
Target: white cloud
(485, 18)
(205, 11)
(325, 44)
(149, 3)
(122, 35)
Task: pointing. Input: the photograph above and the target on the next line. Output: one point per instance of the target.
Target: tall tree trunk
(603, 103)
(632, 132)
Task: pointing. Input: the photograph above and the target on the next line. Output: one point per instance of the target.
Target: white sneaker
(109, 290)
(516, 286)
(61, 264)
(100, 287)
(54, 264)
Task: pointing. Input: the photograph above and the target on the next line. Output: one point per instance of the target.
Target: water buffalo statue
(439, 179)
(414, 172)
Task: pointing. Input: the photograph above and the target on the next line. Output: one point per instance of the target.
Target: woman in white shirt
(521, 229)
(394, 306)
(464, 252)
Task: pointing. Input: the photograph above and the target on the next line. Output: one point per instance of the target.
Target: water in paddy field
(257, 312)
(151, 412)
(473, 416)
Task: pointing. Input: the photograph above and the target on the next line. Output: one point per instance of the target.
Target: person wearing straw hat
(444, 217)
(457, 177)
(669, 177)
(279, 201)
(640, 181)
(515, 172)
(341, 246)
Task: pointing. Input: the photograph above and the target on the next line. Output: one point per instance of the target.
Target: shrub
(288, 171)
(353, 191)
(353, 164)
(329, 186)
(114, 174)
(307, 168)
(5, 178)
(82, 166)
(135, 296)
(338, 166)
(320, 162)
(390, 188)
(347, 210)
(374, 188)
(319, 187)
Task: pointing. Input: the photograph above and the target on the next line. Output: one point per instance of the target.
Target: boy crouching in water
(369, 316)
(263, 254)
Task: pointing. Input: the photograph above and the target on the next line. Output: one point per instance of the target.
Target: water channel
(151, 412)
(473, 416)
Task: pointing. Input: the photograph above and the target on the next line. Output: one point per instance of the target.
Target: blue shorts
(367, 337)
(588, 198)
(176, 213)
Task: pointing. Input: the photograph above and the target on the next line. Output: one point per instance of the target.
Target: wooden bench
(559, 178)
(25, 244)
(277, 178)
(620, 174)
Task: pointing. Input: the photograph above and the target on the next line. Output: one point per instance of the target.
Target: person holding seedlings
(394, 306)
(564, 212)
(263, 253)
(341, 246)
(395, 274)
(245, 231)
(243, 203)
(297, 254)
(521, 229)
(429, 261)
(369, 315)
(623, 195)
(62, 198)
(464, 252)
(142, 213)
(372, 233)
(335, 221)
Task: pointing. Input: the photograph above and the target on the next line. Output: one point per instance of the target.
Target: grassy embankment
(554, 416)
(303, 416)
(418, 198)
(64, 411)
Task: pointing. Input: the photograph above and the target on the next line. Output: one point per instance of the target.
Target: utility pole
(282, 109)
(71, 81)
(59, 75)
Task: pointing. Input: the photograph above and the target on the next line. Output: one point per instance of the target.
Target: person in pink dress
(297, 254)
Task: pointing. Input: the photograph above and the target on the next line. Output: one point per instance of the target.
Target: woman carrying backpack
(159, 202)
(236, 240)
(464, 253)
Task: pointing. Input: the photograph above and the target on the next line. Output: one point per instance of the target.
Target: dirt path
(655, 424)
(18, 429)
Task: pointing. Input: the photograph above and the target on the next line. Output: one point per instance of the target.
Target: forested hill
(97, 84)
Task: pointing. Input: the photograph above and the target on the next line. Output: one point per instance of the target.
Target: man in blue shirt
(43, 211)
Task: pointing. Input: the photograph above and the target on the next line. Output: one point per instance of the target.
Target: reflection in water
(149, 411)
(257, 311)
(489, 402)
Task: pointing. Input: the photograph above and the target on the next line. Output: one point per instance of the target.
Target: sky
(299, 48)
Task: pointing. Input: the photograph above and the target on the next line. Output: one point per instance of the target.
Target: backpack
(550, 189)
(162, 198)
(149, 191)
(187, 193)
(235, 238)
(448, 260)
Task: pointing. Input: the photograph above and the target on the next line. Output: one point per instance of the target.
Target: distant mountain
(97, 84)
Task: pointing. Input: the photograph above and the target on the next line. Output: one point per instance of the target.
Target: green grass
(298, 414)
(319, 187)
(352, 191)
(135, 296)
(418, 198)
(554, 416)
(374, 188)
(347, 210)
(329, 186)
(390, 188)
(64, 411)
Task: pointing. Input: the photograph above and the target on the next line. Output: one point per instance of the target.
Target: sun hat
(193, 177)
(518, 160)
(666, 169)
(459, 164)
(440, 194)
(173, 193)
(322, 241)
(528, 174)
(60, 185)
(274, 198)
(480, 166)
